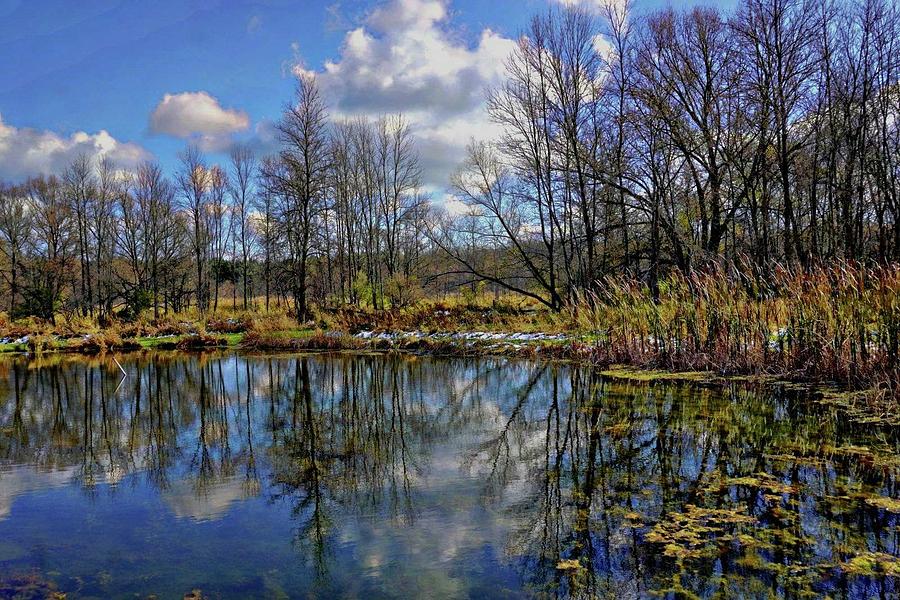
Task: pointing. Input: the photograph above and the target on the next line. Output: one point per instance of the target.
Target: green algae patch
(870, 564)
(867, 407)
(883, 502)
(633, 374)
(697, 532)
(568, 564)
(764, 482)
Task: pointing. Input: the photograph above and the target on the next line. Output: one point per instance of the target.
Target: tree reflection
(603, 488)
(347, 442)
(654, 489)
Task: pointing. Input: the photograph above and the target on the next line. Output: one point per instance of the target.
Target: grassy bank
(838, 325)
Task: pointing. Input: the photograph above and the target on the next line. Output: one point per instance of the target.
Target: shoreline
(862, 405)
(579, 349)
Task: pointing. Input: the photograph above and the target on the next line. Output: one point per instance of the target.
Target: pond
(377, 476)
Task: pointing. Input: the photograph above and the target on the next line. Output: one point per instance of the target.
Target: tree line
(682, 138)
(337, 214)
(632, 144)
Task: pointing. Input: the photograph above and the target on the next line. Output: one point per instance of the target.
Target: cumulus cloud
(211, 505)
(199, 117)
(406, 58)
(25, 152)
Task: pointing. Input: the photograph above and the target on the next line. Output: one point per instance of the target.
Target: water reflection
(396, 476)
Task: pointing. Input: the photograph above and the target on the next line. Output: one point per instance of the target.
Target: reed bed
(836, 323)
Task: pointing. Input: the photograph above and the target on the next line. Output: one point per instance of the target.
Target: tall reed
(839, 322)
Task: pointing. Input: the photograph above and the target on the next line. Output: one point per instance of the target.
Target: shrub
(200, 341)
(40, 343)
(219, 324)
(103, 342)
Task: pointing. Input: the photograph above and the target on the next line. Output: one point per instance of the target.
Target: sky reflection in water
(377, 476)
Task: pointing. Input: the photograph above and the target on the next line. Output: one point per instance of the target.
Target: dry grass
(494, 314)
(200, 341)
(101, 342)
(40, 343)
(318, 340)
(838, 323)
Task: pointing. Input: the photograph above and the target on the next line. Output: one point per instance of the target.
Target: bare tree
(301, 180)
(243, 174)
(80, 185)
(15, 233)
(485, 184)
(194, 184)
(217, 225)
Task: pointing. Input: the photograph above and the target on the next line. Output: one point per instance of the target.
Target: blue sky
(70, 70)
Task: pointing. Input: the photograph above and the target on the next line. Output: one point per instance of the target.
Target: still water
(368, 476)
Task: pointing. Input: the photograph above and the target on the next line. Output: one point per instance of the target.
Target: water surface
(369, 476)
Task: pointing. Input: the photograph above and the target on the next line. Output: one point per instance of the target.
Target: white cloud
(209, 505)
(453, 205)
(405, 58)
(602, 46)
(20, 481)
(25, 152)
(196, 115)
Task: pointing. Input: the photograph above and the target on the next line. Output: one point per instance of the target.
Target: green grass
(233, 339)
(150, 343)
(632, 374)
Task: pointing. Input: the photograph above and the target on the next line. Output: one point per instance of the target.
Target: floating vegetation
(633, 374)
(873, 563)
(29, 587)
(698, 532)
(763, 481)
(871, 406)
(888, 504)
(568, 564)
